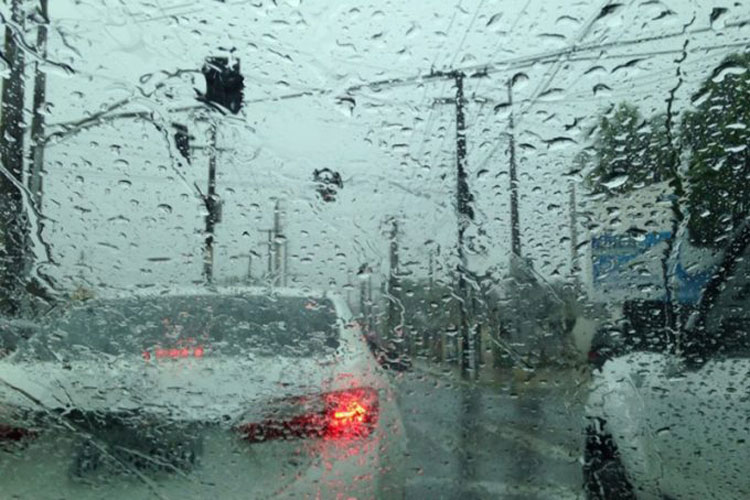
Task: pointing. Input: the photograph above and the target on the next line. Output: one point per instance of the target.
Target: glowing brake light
(348, 414)
(355, 413)
(174, 353)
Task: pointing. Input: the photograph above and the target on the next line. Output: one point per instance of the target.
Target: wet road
(514, 443)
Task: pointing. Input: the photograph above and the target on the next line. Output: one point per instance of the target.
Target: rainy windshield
(190, 327)
(374, 249)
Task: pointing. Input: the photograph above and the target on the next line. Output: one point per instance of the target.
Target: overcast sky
(113, 195)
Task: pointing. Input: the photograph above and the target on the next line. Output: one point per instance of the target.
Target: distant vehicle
(230, 393)
(674, 424)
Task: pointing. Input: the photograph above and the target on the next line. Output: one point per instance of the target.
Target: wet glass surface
(362, 249)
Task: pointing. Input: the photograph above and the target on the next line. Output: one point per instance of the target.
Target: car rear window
(192, 326)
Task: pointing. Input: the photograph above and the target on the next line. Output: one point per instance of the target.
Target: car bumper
(227, 467)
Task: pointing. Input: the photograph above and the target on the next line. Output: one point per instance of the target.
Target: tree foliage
(717, 138)
(629, 151)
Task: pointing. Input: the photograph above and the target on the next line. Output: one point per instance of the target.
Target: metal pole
(515, 233)
(212, 207)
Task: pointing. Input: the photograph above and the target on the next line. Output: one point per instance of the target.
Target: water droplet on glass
(616, 182)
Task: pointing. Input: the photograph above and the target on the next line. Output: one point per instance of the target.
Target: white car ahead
(233, 393)
(677, 424)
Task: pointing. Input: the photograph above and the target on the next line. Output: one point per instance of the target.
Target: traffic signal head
(224, 83)
(328, 183)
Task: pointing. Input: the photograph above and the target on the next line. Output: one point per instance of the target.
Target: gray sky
(112, 192)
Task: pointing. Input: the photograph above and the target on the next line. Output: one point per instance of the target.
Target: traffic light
(328, 182)
(224, 83)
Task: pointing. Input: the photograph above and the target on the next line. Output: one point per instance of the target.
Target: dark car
(673, 423)
(642, 329)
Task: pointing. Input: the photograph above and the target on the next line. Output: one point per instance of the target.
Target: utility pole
(212, 206)
(250, 268)
(269, 253)
(464, 216)
(431, 269)
(469, 354)
(349, 286)
(573, 231)
(277, 244)
(224, 89)
(15, 222)
(37, 119)
(394, 317)
(363, 298)
(370, 310)
(285, 275)
(364, 275)
(515, 232)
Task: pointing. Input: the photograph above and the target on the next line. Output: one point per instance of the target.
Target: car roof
(203, 290)
(182, 291)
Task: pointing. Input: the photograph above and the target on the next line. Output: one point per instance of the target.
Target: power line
(428, 124)
(138, 19)
(505, 65)
(497, 45)
(447, 32)
(466, 33)
(634, 56)
(546, 80)
(533, 100)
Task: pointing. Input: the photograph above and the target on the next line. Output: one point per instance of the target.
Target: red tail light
(348, 414)
(174, 353)
(11, 433)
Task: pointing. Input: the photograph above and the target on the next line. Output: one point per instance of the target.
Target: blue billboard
(630, 266)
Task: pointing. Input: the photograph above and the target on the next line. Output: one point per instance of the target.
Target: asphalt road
(473, 441)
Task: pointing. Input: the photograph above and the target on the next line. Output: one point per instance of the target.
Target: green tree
(629, 151)
(716, 135)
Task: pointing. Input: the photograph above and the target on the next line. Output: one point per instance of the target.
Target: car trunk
(173, 421)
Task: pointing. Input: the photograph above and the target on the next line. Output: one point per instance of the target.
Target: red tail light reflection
(349, 414)
(9, 433)
(174, 353)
